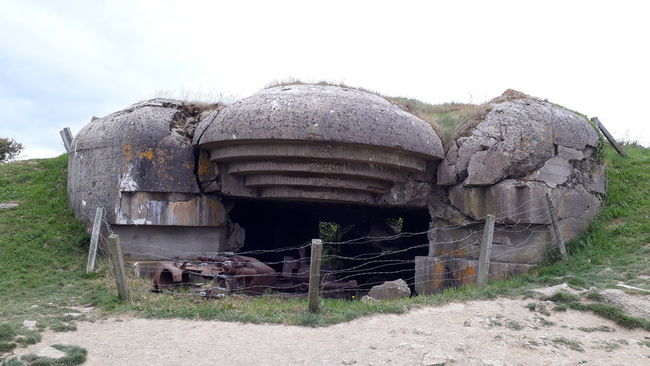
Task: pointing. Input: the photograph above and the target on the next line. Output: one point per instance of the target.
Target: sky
(63, 62)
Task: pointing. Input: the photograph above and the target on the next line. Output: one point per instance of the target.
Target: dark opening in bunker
(363, 243)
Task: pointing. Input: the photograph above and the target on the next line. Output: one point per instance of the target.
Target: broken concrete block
(554, 172)
(390, 290)
(597, 182)
(568, 153)
(512, 201)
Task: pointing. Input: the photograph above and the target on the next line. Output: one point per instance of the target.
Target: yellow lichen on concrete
(128, 154)
(147, 154)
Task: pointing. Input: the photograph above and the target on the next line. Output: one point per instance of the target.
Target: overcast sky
(62, 62)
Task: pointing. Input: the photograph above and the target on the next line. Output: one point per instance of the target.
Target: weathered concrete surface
(176, 209)
(516, 136)
(503, 162)
(152, 242)
(511, 201)
(321, 143)
(137, 149)
(139, 164)
(317, 113)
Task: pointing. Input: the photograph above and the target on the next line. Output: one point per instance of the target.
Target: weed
(561, 307)
(63, 327)
(514, 325)
(7, 332)
(571, 344)
(29, 338)
(7, 347)
(602, 328)
(608, 346)
(74, 356)
(595, 296)
(531, 306)
(562, 298)
(544, 322)
(494, 323)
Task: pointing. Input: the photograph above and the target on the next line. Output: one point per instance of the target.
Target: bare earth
(500, 332)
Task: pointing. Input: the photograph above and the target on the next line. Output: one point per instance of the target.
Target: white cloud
(590, 56)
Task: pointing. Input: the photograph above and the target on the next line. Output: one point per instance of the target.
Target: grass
(444, 118)
(43, 252)
(604, 310)
(74, 355)
(569, 343)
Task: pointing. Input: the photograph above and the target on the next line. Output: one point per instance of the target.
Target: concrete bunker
(181, 180)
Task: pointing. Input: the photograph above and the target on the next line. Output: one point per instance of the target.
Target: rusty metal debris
(230, 273)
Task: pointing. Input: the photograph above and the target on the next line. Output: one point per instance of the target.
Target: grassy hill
(43, 253)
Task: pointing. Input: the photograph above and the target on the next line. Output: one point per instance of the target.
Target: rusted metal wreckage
(230, 273)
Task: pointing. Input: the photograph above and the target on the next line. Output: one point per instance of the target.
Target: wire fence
(350, 268)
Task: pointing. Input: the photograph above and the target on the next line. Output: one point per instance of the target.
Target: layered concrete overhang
(321, 143)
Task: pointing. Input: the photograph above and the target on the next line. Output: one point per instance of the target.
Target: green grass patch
(62, 327)
(7, 347)
(569, 301)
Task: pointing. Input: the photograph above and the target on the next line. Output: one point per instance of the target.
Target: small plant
(29, 338)
(62, 327)
(514, 325)
(7, 332)
(7, 347)
(595, 296)
(571, 344)
(609, 346)
(561, 307)
(75, 355)
(544, 322)
(602, 328)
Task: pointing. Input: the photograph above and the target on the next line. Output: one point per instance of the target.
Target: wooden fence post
(486, 249)
(66, 135)
(118, 265)
(314, 275)
(609, 137)
(94, 239)
(559, 240)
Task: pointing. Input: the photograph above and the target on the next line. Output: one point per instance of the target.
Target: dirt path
(501, 332)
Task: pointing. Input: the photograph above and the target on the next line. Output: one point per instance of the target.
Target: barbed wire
(533, 221)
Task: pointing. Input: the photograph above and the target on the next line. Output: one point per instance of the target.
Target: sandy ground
(473, 333)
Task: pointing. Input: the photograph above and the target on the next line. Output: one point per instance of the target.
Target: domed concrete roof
(317, 142)
(320, 113)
